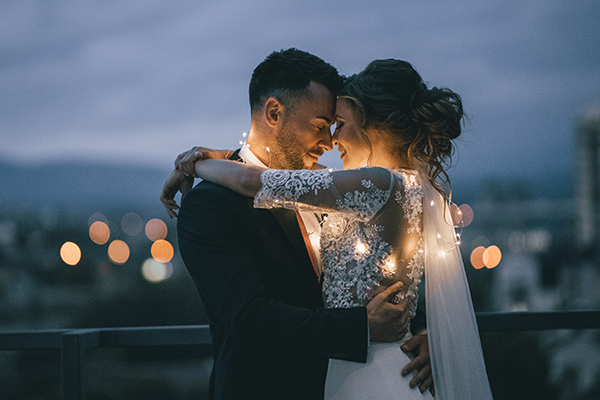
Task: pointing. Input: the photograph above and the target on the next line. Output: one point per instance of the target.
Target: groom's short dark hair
(286, 74)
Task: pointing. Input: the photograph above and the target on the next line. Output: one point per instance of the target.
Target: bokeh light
(154, 271)
(99, 232)
(477, 257)
(162, 251)
(156, 229)
(488, 257)
(118, 252)
(467, 214)
(132, 224)
(461, 216)
(456, 214)
(97, 217)
(70, 253)
(492, 257)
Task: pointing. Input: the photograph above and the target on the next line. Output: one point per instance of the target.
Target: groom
(257, 271)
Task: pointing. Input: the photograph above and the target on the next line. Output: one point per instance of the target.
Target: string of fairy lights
(462, 216)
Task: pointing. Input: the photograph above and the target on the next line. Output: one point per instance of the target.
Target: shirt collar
(249, 158)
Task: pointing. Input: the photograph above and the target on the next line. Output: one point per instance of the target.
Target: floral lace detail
(412, 204)
(355, 260)
(413, 200)
(415, 268)
(364, 204)
(355, 256)
(282, 188)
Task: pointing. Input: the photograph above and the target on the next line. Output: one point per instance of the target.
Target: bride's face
(354, 150)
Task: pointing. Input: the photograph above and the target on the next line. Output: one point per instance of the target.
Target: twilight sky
(138, 81)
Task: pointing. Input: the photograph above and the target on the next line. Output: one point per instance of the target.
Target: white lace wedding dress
(373, 236)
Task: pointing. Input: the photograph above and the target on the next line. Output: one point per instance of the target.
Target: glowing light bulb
(361, 247)
(443, 253)
(268, 149)
(389, 267)
(244, 134)
(439, 236)
(432, 203)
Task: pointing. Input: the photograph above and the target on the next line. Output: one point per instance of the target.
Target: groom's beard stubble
(288, 153)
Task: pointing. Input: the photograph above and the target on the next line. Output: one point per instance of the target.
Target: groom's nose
(325, 139)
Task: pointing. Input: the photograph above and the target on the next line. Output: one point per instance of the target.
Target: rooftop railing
(73, 344)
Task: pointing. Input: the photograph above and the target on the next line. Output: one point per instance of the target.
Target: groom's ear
(273, 112)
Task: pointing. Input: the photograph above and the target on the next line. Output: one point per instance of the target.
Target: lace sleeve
(360, 191)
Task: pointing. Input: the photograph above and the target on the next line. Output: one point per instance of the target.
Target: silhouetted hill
(73, 184)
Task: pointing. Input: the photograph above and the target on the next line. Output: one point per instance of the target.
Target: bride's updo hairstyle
(390, 99)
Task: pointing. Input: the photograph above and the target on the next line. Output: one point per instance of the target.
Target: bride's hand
(419, 347)
(176, 182)
(185, 162)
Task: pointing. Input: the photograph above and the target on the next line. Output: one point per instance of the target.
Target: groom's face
(305, 132)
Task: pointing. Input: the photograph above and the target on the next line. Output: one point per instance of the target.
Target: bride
(388, 220)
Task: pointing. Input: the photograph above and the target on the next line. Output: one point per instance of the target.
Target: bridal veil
(457, 359)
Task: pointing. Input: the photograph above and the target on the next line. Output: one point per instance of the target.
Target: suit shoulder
(210, 192)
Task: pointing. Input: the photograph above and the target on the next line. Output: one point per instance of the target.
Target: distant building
(588, 177)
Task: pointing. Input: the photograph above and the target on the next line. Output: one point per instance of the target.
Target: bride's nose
(334, 138)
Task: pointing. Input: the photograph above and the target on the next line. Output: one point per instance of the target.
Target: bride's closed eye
(338, 125)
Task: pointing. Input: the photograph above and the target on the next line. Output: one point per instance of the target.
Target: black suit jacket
(271, 334)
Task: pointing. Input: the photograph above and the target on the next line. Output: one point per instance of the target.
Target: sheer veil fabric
(457, 359)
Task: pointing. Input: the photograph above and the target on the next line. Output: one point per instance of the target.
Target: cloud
(136, 79)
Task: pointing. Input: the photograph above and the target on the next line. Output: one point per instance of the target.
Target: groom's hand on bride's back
(387, 322)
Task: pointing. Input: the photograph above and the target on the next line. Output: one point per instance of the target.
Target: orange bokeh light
(477, 257)
(118, 252)
(162, 251)
(99, 232)
(70, 253)
(156, 229)
(492, 257)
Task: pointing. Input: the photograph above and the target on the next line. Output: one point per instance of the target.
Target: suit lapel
(287, 220)
(289, 223)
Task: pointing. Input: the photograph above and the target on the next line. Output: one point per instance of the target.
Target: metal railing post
(73, 347)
